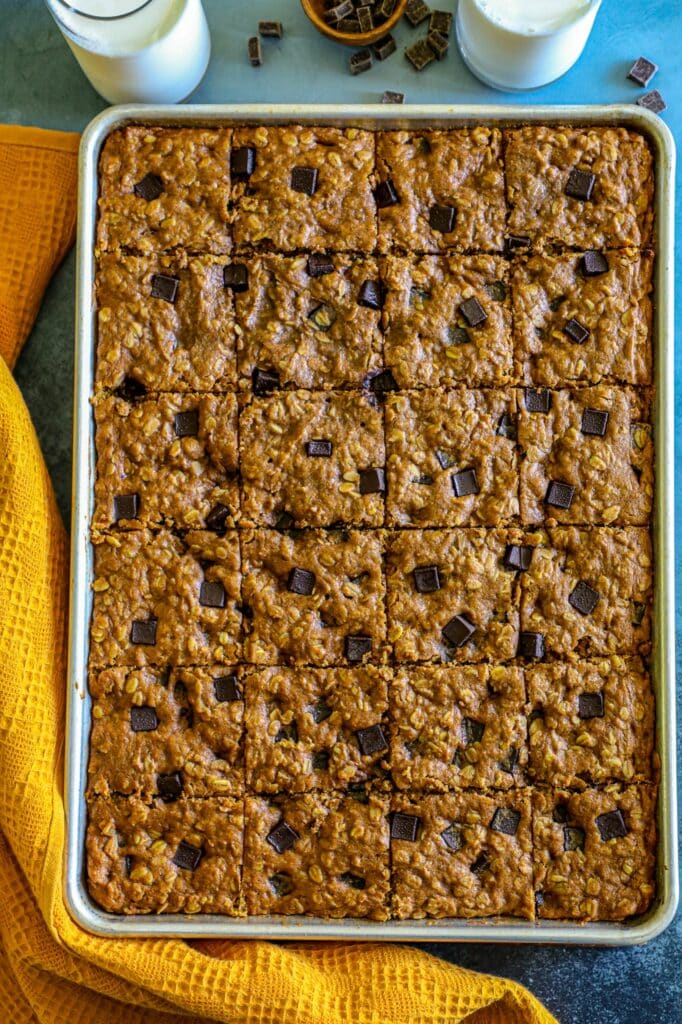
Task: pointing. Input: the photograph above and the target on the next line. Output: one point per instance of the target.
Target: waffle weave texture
(50, 970)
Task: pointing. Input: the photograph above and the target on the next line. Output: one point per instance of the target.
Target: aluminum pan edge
(78, 902)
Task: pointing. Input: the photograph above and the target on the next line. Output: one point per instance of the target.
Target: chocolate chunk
(371, 294)
(143, 719)
(242, 162)
(360, 61)
(611, 825)
(320, 761)
(497, 290)
(144, 632)
(514, 242)
(642, 71)
(517, 557)
(226, 689)
(420, 55)
(538, 399)
(373, 480)
(593, 264)
(383, 9)
(559, 494)
(575, 331)
(458, 630)
(580, 184)
(365, 18)
(340, 10)
(304, 179)
(439, 44)
(444, 459)
(127, 864)
(323, 316)
(416, 11)
(236, 277)
(638, 613)
(583, 598)
(254, 52)
(441, 21)
(354, 881)
(301, 582)
(506, 426)
(288, 732)
(384, 47)
(356, 647)
(442, 218)
(270, 29)
(465, 483)
(371, 740)
(591, 705)
(473, 731)
(212, 594)
(381, 381)
(164, 287)
(560, 813)
(284, 521)
(393, 97)
(426, 579)
(574, 838)
(150, 187)
(281, 884)
(595, 422)
(319, 264)
(318, 448)
(169, 787)
(652, 101)
(216, 519)
(187, 856)
(264, 381)
(385, 194)
(506, 820)
(532, 645)
(473, 312)
(480, 865)
(282, 837)
(320, 711)
(453, 837)
(186, 423)
(130, 389)
(405, 826)
(509, 761)
(126, 506)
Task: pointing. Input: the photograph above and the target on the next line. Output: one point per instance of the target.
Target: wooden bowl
(315, 10)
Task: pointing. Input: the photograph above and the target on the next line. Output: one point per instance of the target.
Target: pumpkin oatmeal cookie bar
(168, 733)
(325, 854)
(594, 852)
(167, 460)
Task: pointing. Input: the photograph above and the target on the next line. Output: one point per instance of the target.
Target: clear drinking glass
(137, 51)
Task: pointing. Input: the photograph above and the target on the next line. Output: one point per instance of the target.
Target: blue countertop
(41, 84)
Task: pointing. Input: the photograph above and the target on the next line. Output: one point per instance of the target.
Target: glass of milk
(517, 45)
(137, 51)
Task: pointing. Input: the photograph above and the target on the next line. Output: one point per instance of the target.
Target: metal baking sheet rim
(82, 908)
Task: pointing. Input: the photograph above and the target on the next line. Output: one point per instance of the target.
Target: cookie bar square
(164, 323)
(458, 726)
(316, 458)
(432, 437)
(594, 852)
(309, 319)
(448, 188)
(168, 460)
(599, 441)
(323, 854)
(328, 612)
(164, 600)
(589, 188)
(466, 609)
(461, 854)
(448, 321)
(588, 591)
(315, 729)
(159, 858)
(169, 734)
(551, 292)
(307, 188)
(591, 722)
(163, 189)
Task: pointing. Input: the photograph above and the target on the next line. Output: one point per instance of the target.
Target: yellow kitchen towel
(51, 971)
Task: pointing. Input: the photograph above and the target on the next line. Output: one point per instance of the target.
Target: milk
(134, 51)
(523, 44)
